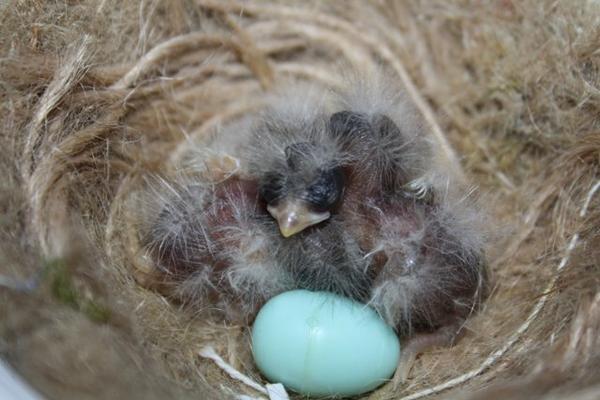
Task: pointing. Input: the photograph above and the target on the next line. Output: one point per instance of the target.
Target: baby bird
(326, 191)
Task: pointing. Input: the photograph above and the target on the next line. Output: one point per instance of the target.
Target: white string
(495, 356)
(274, 391)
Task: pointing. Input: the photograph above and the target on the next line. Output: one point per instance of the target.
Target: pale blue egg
(322, 344)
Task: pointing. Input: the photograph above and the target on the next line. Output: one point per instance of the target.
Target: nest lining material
(95, 95)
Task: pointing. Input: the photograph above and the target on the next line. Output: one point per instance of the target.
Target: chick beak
(293, 216)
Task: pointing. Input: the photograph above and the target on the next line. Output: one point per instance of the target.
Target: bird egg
(322, 344)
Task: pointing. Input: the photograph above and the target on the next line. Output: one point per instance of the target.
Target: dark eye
(326, 191)
(271, 188)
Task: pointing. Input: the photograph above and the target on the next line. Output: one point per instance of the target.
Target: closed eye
(271, 190)
(326, 191)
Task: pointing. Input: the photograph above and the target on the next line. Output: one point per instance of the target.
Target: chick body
(390, 232)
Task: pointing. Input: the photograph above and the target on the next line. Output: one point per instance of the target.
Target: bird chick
(323, 190)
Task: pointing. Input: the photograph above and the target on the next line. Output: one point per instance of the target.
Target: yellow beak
(293, 216)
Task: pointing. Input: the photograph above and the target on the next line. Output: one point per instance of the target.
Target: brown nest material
(94, 94)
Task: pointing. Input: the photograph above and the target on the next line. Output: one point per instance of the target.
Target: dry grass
(94, 94)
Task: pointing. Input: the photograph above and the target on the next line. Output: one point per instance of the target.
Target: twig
(167, 49)
(65, 79)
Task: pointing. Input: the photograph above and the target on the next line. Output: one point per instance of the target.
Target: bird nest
(97, 94)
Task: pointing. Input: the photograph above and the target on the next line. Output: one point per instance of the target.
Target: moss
(96, 311)
(61, 283)
(60, 278)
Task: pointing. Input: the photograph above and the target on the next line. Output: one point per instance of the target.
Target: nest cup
(97, 95)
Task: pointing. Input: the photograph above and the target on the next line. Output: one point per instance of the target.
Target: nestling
(322, 190)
